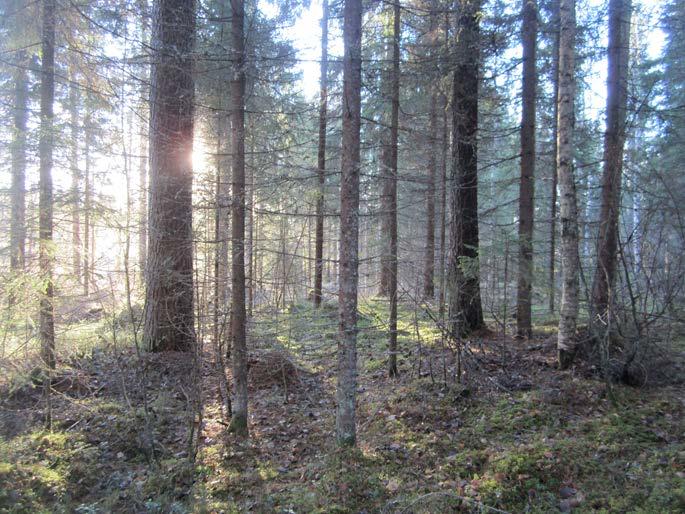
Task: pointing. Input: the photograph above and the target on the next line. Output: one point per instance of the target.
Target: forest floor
(515, 435)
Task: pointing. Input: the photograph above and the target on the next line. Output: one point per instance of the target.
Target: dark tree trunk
(553, 203)
(45, 206)
(18, 218)
(323, 107)
(614, 141)
(527, 183)
(238, 317)
(349, 225)
(392, 189)
(466, 313)
(568, 208)
(169, 321)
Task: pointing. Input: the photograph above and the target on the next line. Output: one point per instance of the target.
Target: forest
(365, 256)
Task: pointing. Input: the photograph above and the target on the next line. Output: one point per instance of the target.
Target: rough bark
(568, 209)
(614, 142)
(45, 206)
(321, 167)
(238, 317)
(169, 321)
(18, 191)
(466, 313)
(527, 183)
(349, 226)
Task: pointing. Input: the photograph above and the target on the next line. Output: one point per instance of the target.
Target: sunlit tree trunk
(345, 423)
(169, 316)
(568, 209)
(527, 183)
(614, 141)
(238, 317)
(20, 119)
(321, 168)
(466, 313)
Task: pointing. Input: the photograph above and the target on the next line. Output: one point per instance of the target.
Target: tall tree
(553, 188)
(527, 183)
(614, 141)
(45, 204)
(74, 100)
(20, 115)
(321, 168)
(466, 312)
(169, 321)
(568, 209)
(238, 317)
(389, 163)
(345, 423)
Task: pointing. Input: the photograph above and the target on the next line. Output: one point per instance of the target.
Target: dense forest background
(354, 256)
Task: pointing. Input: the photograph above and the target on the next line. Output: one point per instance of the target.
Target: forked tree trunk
(568, 209)
(345, 422)
(238, 316)
(169, 317)
(614, 141)
(321, 168)
(466, 312)
(527, 183)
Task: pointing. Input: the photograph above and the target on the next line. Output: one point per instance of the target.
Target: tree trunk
(238, 318)
(349, 225)
(553, 206)
(527, 184)
(392, 189)
(169, 320)
(568, 209)
(614, 141)
(18, 217)
(143, 145)
(323, 118)
(75, 179)
(87, 199)
(466, 313)
(45, 206)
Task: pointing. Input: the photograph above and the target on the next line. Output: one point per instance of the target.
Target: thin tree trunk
(527, 183)
(614, 141)
(443, 207)
(18, 217)
(169, 314)
(75, 179)
(45, 207)
(238, 319)
(466, 312)
(143, 144)
(323, 118)
(345, 422)
(87, 199)
(392, 189)
(568, 209)
(555, 147)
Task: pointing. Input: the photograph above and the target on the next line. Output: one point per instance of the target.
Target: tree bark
(614, 141)
(527, 183)
(143, 145)
(321, 168)
(238, 318)
(87, 198)
(169, 319)
(18, 216)
(349, 226)
(466, 313)
(568, 209)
